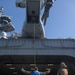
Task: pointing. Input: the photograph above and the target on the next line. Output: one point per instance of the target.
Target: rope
(34, 46)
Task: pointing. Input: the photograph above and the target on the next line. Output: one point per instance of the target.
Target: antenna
(1, 11)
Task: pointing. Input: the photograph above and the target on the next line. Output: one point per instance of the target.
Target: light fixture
(12, 68)
(32, 64)
(50, 64)
(8, 64)
(47, 68)
(32, 68)
(14, 72)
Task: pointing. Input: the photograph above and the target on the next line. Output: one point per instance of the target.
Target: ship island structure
(31, 48)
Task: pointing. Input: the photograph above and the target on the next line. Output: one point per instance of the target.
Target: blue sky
(61, 21)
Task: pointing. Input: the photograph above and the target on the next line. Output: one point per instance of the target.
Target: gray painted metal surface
(33, 26)
(22, 46)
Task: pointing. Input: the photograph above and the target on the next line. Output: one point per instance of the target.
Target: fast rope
(34, 47)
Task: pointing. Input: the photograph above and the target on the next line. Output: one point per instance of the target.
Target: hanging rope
(34, 46)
